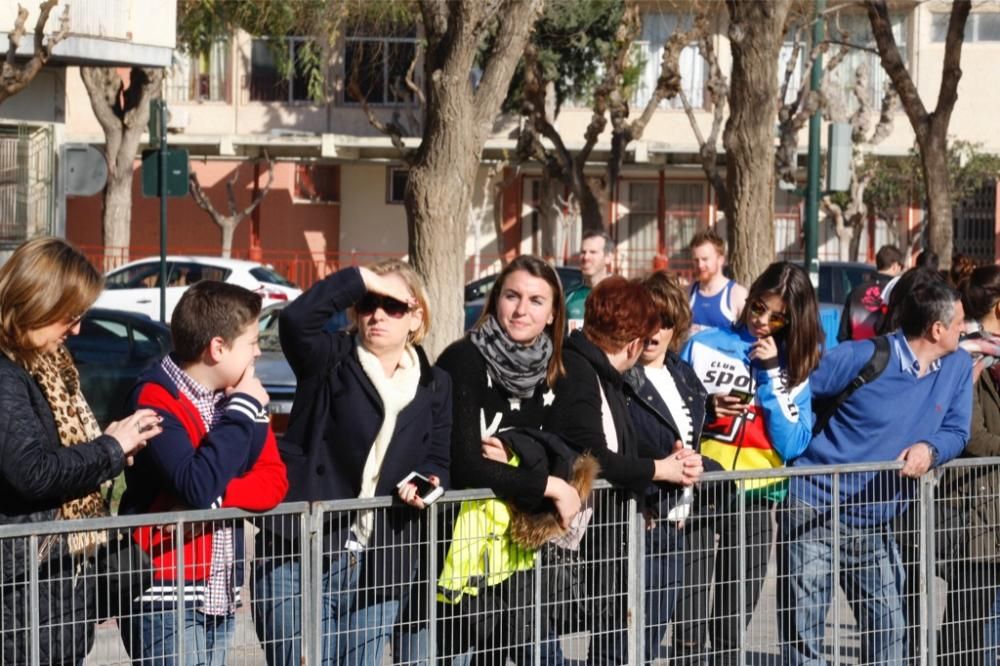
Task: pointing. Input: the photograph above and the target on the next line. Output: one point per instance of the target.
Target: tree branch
(261, 193)
(14, 78)
(951, 71)
(390, 129)
(892, 62)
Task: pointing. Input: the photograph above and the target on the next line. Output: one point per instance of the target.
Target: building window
(200, 77)
(395, 185)
(379, 64)
(685, 215)
(268, 83)
(983, 27)
(657, 27)
(317, 183)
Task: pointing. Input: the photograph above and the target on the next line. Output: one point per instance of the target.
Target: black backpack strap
(869, 372)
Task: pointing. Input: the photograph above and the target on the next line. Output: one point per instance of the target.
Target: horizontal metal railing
(367, 581)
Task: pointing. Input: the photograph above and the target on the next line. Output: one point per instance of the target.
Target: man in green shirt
(597, 252)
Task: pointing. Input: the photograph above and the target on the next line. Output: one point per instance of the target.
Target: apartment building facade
(337, 184)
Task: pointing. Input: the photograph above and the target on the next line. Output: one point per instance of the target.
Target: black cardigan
(576, 415)
(476, 400)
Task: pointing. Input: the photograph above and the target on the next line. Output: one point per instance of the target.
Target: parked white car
(135, 287)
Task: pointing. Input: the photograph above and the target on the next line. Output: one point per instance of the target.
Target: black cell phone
(427, 491)
(745, 397)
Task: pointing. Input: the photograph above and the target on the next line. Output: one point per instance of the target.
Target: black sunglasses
(370, 302)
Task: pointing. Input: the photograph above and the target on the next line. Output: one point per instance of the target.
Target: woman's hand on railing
(565, 498)
(683, 467)
(134, 431)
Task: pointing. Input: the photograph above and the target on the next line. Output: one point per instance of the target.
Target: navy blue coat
(655, 426)
(337, 414)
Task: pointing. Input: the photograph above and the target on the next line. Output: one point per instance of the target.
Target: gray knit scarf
(516, 367)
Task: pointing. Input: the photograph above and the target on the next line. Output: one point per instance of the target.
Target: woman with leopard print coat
(53, 457)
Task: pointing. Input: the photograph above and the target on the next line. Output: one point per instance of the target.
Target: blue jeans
(351, 634)
(150, 636)
(664, 575)
(991, 633)
(871, 575)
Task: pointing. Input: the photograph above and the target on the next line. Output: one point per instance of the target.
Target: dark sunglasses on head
(775, 320)
(370, 302)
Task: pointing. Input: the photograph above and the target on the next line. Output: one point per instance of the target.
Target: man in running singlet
(716, 301)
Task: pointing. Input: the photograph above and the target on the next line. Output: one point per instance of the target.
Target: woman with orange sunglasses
(760, 416)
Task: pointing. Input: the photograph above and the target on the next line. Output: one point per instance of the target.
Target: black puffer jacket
(655, 425)
(37, 475)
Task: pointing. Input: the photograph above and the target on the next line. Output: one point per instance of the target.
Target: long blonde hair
(45, 281)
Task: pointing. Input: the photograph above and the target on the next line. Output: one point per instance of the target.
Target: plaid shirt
(221, 595)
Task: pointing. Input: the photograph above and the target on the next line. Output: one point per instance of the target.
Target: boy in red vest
(216, 450)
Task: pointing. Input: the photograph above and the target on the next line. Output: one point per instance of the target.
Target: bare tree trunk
(756, 31)
(591, 215)
(228, 229)
(930, 128)
(548, 219)
(458, 121)
(934, 167)
(855, 245)
(123, 114)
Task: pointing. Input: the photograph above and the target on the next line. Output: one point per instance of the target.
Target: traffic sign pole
(161, 110)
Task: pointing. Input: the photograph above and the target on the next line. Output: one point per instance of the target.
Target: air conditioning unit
(177, 119)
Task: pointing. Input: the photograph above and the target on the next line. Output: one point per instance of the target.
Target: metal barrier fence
(889, 571)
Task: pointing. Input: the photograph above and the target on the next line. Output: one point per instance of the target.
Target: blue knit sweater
(878, 422)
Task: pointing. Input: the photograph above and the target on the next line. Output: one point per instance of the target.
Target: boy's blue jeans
(150, 637)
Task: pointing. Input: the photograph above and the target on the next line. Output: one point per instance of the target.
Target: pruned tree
(123, 114)
(849, 212)
(929, 127)
(609, 107)
(228, 222)
(15, 76)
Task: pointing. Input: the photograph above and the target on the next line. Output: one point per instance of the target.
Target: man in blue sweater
(917, 411)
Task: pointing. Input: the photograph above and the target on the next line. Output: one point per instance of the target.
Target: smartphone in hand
(743, 396)
(427, 491)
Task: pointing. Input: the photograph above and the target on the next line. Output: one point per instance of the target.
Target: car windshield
(265, 274)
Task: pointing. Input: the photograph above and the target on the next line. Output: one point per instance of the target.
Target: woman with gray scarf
(502, 376)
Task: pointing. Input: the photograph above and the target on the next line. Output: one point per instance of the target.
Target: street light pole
(812, 171)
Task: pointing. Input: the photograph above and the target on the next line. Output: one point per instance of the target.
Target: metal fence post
(180, 598)
(432, 567)
(928, 609)
(313, 589)
(835, 567)
(741, 558)
(34, 638)
(636, 584)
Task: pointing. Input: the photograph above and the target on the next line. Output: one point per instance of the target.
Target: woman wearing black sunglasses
(760, 416)
(369, 410)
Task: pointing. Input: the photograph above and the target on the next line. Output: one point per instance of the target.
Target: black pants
(972, 591)
(695, 623)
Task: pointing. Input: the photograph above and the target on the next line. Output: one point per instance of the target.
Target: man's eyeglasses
(775, 320)
(370, 302)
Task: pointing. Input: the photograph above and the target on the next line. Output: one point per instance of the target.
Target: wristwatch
(934, 454)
